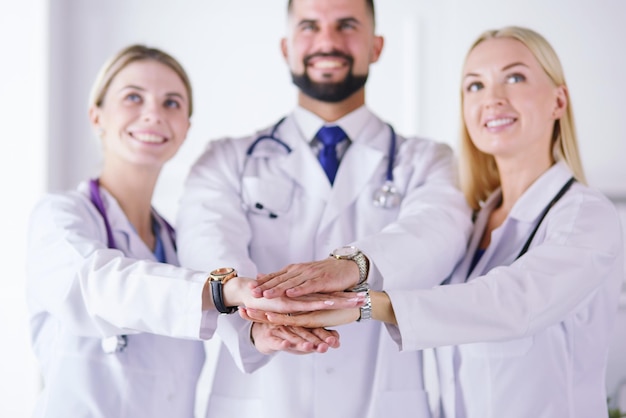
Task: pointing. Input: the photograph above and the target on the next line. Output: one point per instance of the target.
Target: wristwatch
(366, 309)
(350, 252)
(217, 279)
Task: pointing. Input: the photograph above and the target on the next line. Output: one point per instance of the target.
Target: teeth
(151, 138)
(499, 122)
(327, 64)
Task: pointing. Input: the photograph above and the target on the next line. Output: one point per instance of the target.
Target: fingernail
(329, 302)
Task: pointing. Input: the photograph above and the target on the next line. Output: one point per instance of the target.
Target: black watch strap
(218, 278)
(218, 298)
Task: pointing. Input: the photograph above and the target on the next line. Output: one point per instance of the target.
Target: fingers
(317, 319)
(271, 338)
(331, 337)
(294, 276)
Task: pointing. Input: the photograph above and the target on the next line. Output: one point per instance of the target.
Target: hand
(238, 292)
(317, 319)
(324, 276)
(296, 340)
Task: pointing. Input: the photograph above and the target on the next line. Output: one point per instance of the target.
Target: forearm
(382, 309)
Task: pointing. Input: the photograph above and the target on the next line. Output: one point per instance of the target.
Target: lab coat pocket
(268, 198)
(501, 349)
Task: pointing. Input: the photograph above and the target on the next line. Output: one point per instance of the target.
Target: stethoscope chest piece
(114, 344)
(387, 196)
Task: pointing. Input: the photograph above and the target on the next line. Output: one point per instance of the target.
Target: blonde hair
(479, 173)
(127, 56)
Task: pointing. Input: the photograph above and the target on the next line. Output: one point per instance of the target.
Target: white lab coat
(79, 291)
(413, 246)
(532, 335)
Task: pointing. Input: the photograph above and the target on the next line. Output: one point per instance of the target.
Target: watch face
(347, 251)
(222, 274)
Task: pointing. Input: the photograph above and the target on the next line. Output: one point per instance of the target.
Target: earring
(99, 132)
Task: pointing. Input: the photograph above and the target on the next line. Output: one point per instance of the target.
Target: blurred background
(52, 50)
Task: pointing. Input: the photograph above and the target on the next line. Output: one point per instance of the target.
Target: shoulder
(424, 150)
(232, 147)
(586, 212)
(63, 202)
(63, 212)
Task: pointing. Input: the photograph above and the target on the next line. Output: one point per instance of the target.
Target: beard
(332, 92)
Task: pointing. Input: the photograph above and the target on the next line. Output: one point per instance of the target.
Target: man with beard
(284, 196)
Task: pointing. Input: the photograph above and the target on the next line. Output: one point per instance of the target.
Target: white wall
(23, 95)
(231, 49)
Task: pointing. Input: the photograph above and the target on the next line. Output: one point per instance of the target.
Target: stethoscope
(117, 343)
(387, 196)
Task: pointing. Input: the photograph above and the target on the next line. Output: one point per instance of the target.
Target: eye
(172, 104)
(133, 97)
(347, 26)
(515, 78)
(473, 87)
(308, 26)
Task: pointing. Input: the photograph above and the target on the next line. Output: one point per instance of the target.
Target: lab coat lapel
(357, 168)
(509, 238)
(126, 239)
(463, 274)
(301, 165)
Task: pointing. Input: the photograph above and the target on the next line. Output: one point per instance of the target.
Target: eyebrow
(505, 68)
(133, 87)
(340, 21)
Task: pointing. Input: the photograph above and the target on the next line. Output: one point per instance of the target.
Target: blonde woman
(524, 323)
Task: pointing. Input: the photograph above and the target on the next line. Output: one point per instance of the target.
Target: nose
(151, 111)
(328, 38)
(495, 96)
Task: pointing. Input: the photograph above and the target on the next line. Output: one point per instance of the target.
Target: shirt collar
(352, 123)
(538, 195)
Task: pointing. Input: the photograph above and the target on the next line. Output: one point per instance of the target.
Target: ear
(561, 102)
(94, 118)
(284, 49)
(377, 48)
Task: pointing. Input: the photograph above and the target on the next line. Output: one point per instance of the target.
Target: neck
(133, 192)
(331, 112)
(516, 178)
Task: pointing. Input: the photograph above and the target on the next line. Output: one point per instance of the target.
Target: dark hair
(369, 3)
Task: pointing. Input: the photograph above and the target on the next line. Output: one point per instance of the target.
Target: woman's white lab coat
(531, 335)
(415, 245)
(79, 292)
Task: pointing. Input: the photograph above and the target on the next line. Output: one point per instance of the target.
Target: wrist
(382, 308)
(225, 301)
(232, 291)
(350, 252)
(365, 311)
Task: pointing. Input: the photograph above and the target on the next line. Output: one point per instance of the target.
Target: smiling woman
(104, 291)
(81, 279)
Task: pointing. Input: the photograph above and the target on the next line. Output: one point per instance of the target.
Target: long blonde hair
(479, 173)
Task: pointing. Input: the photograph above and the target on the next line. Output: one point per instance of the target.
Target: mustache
(333, 53)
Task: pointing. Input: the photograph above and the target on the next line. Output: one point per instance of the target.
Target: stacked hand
(291, 307)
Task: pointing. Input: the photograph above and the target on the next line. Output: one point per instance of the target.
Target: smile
(148, 138)
(494, 123)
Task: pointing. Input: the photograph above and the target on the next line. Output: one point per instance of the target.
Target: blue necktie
(330, 136)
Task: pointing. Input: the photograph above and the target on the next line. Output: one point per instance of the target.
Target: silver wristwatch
(366, 309)
(350, 252)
